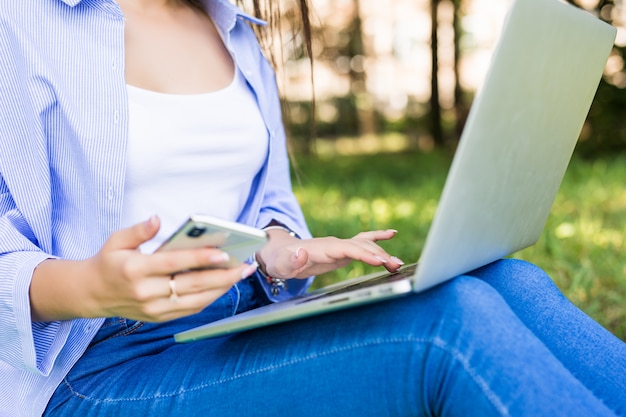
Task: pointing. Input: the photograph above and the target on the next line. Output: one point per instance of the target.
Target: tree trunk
(460, 106)
(358, 77)
(435, 108)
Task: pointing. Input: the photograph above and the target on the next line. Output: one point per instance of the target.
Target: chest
(174, 49)
(208, 136)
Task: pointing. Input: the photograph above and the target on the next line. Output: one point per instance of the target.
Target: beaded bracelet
(277, 284)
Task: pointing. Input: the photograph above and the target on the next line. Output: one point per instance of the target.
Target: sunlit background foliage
(392, 82)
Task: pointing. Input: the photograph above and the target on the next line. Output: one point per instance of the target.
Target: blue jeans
(501, 340)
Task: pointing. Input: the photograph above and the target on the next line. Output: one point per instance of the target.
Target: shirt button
(110, 194)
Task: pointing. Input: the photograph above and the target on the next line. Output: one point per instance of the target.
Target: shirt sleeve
(23, 344)
(278, 202)
(23, 169)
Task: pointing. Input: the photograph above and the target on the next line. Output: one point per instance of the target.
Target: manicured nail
(218, 258)
(249, 270)
(151, 221)
(298, 252)
(380, 258)
(392, 230)
(397, 260)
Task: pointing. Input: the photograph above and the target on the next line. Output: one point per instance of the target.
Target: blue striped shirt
(63, 132)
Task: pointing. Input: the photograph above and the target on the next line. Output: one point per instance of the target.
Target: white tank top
(191, 153)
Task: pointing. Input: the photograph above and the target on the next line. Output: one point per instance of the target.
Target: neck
(153, 4)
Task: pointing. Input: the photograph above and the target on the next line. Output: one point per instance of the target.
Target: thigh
(454, 350)
(589, 351)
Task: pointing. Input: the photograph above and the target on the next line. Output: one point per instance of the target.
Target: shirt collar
(223, 12)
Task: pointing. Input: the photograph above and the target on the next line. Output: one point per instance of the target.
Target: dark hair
(269, 10)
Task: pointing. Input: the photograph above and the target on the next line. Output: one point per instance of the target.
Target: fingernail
(380, 258)
(392, 230)
(397, 260)
(151, 221)
(219, 257)
(298, 252)
(249, 270)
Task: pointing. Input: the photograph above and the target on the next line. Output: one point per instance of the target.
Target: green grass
(582, 246)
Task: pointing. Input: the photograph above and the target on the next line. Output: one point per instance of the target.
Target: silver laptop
(516, 145)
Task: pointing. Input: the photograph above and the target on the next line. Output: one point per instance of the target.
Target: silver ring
(173, 293)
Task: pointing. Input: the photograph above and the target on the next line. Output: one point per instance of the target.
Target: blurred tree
(605, 128)
(435, 106)
(461, 108)
(358, 78)
(345, 48)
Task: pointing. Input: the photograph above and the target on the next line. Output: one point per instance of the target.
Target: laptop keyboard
(403, 273)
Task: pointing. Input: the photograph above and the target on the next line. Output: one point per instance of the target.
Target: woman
(113, 111)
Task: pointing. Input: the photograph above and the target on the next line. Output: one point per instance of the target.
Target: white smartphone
(236, 239)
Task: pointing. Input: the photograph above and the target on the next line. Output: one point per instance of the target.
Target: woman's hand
(121, 281)
(288, 257)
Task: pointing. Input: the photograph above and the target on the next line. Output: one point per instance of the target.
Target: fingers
(132, 237)
(195, 282)
(188, 293)
(375, 255)
(320, 255)
(369, 239)
(376, 235)
(299, 261)
(139, 286)
(172, 262)
(372, 254)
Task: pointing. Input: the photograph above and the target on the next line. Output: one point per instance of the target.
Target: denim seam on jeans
(437, 343)
(491, 396)
(124, 332)
(236, 299)
(109, 323)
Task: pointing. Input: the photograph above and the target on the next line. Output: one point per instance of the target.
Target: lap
(454, 348)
